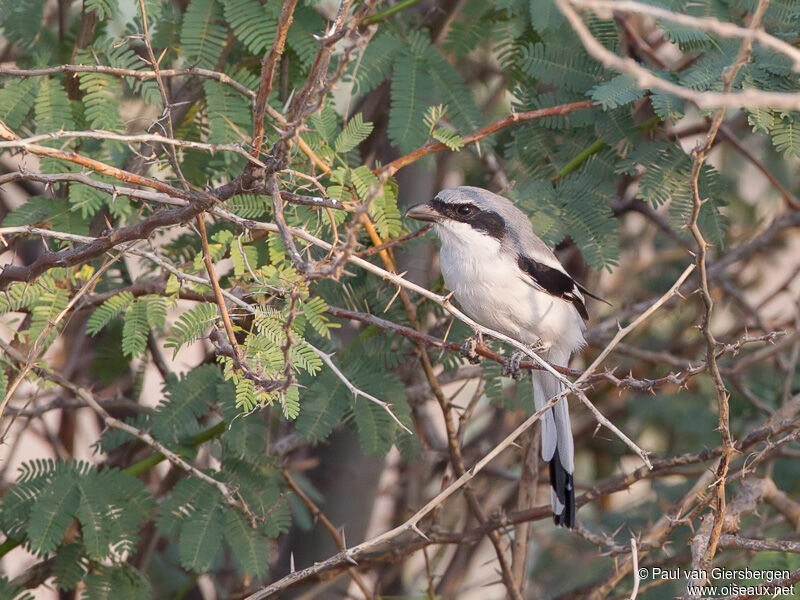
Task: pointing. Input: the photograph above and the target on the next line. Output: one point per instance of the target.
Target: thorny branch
(700, 155)
(263, 177)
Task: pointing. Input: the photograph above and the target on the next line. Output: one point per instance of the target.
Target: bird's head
(466, 211)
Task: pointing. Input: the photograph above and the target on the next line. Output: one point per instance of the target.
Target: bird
(507, 279)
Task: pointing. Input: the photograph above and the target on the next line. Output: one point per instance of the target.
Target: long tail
(557, 446)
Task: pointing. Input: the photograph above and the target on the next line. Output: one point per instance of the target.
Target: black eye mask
(485, 221)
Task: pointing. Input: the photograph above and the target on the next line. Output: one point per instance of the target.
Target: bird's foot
(539, 346)
(511, 365)
(469, 346)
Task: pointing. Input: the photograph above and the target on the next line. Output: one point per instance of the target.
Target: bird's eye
(465, 210)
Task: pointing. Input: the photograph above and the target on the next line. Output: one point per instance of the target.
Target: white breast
(488, 284)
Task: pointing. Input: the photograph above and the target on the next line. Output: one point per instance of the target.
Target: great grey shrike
(507, 279)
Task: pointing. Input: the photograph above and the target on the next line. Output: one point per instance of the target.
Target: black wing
(555, 282)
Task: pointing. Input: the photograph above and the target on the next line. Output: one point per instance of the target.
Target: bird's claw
(511, 363)
(511, 366)
(469, 346)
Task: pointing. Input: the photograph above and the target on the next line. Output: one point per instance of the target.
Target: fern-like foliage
(106, 9)
(135, 330)
(254, 23)
(785, 133)
(101, 110)
(52, 108)
(307, 24)
(185, 399)
(355, 132)
(564, 66)
(191, 325)
(228, 114)
(107, 311)
(49, 496)
(616, 92)
(202, 34)
(16, 101)
(411, 82)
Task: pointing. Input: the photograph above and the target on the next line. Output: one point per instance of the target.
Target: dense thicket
(219, 368)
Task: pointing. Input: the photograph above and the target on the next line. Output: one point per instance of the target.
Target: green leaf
(621, 90)
(376, 63)
(254, 23)
(16, 100)
(375, 427)
(180, 505)
(306, 25)
(101, 98)
(411, 83)
(203, 34)
(786, 135)
(450, 87)
(106, 9)
(156, 310)
(52, 109)
(355, 132)
(761, 119)
(27, 20)
(69, 566)
(291, 403)
(545, 16)
(13, 592)
(323, 409)
(245, 259)
(120, 581)
(53, 513)
(228, 114)
(185, 400)
(201, 535)
(191, 325)
(247, 396)
(449, 138)
(249, 546)
(135, 330)
(562, 66)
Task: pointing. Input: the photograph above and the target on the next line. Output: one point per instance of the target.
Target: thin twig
(700, 154)
(645, 79)
(477, 136)
(317, 513)
(268, 72)
(326, 358)
(230, 496)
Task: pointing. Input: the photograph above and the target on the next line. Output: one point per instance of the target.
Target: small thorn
(419, 532)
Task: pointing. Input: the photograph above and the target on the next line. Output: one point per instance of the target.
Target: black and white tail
(557, 446)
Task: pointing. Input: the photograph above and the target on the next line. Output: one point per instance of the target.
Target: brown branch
(316, 513)
(402, 547)
(268, 72)
(700, 154)
(212, 276)
(526, 495)
(457, 462)
(477, 136)
(95, 165)
(166, 73)
(99, 134)
(395, 242)
(788, 196)
(86, 252)
(230, 496)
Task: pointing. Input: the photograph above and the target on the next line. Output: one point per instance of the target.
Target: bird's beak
(423, 212)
